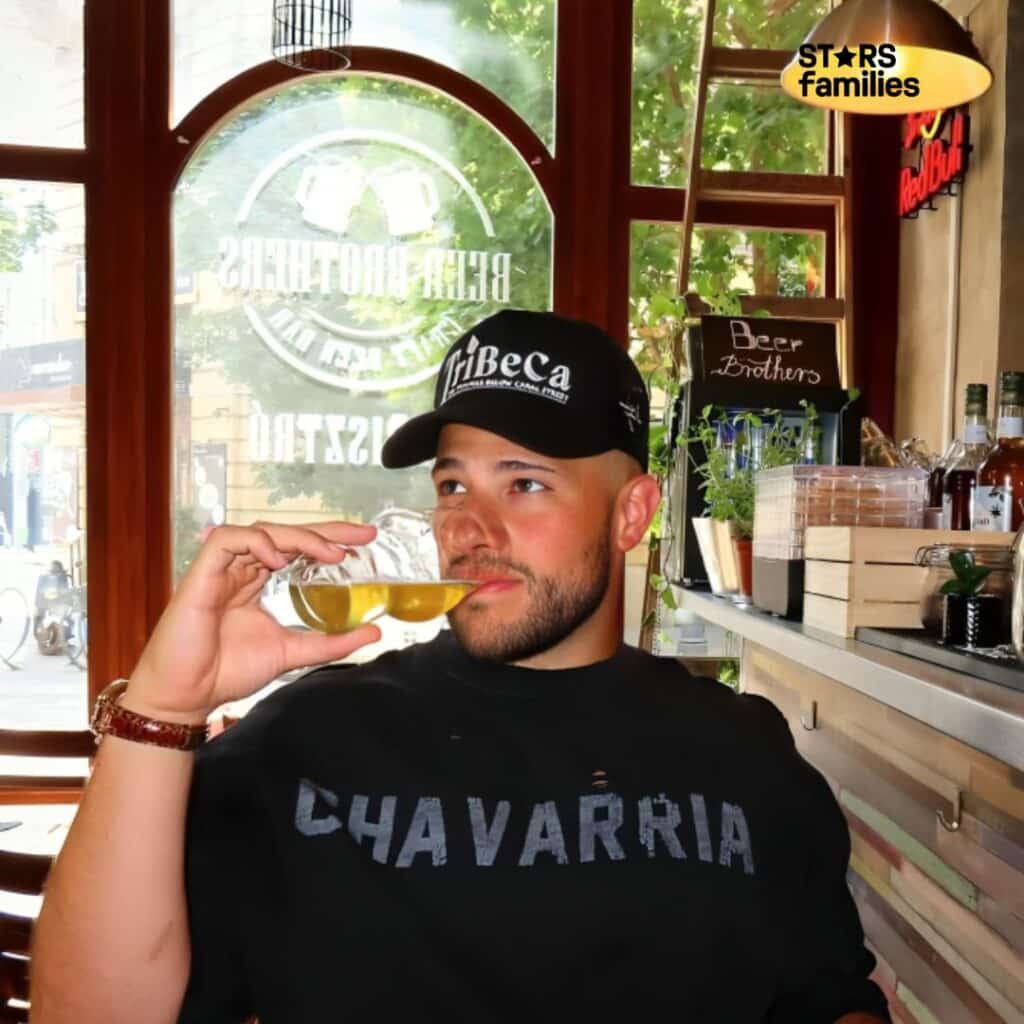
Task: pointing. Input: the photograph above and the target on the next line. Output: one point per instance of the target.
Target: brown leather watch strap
(110, 719)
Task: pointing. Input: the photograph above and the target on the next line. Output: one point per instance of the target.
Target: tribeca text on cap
(560, 387)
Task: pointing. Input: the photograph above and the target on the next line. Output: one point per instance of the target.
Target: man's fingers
(322, 541)
(275, 546)
(303, 649)
(227, 543)
(336, 530)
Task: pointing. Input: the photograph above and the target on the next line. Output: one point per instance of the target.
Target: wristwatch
(110, 719)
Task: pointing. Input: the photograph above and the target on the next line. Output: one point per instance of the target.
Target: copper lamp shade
(931, 50)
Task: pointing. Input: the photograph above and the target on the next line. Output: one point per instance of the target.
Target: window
(746, 127)
(324, 265)
(666, 36)
(42, 455)
(41, 73)
(235, 447)
(767, 24)
(725, 260)
(757, 262)
(760, 128)
(509, 48)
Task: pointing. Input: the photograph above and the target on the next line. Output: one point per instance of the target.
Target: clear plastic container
(791, 498)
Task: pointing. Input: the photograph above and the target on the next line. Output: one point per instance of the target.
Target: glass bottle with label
(959, 480)
(1000, 488)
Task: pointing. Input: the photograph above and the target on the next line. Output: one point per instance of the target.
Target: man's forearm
(111, 944)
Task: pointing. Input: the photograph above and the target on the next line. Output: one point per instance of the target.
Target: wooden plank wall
(943, 911)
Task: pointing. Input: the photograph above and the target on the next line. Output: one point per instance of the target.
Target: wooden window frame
(130, 163)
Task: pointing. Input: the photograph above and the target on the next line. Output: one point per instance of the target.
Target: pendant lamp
(312, 34)
(887, 57)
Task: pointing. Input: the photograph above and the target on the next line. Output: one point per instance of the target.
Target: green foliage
(21, 235)
(514, 57)
(729, 674)
(970, 577)
(728, 485)
(746, 128)
(39, 222)
(663, 588)
(779, 24)
(755, 129)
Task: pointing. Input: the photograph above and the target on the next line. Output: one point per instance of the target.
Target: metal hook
(954, 825)
(809, 715)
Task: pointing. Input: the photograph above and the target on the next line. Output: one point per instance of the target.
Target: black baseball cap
(560, 387)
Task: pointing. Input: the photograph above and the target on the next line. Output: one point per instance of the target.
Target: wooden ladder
(760, 67)
(750, 66)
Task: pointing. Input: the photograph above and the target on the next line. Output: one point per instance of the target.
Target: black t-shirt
(431, 837)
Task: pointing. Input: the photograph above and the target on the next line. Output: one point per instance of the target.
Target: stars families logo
(873, 72)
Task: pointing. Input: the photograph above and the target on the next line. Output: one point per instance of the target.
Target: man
(520, 820)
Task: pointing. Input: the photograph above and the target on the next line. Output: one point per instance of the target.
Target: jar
(999, 581)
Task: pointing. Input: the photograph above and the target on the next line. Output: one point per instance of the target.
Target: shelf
(982, 714)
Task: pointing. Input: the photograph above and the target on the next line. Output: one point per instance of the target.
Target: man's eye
(447, 487)
(526, 486)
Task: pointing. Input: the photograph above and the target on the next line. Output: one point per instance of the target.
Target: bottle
(810, 447)
(1000, 490)
(938, 474)
(958, 484)
(726, 432)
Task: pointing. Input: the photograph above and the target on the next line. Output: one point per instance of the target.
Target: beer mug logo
(410, 200)
(329, 192)
(363, 289)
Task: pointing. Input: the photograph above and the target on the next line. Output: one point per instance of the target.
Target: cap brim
(499, 413)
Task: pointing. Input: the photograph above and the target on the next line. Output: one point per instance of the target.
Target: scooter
(52, 601)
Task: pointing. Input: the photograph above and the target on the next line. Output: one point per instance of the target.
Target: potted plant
(723, 489)
(726, 472)
(969, 618)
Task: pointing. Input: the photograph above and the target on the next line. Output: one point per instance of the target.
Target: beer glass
(396, 574)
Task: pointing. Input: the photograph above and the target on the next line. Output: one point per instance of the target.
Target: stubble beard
(557, 607)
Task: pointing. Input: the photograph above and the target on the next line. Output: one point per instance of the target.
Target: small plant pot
(702, 529)
(724, 532)
(745, 558)
(975, 621)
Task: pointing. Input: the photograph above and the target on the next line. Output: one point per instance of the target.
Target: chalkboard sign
(765, 350)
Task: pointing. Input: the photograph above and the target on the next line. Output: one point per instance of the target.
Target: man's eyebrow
(446, 462)
(517, 465)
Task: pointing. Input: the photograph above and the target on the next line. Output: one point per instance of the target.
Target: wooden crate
(866, 576)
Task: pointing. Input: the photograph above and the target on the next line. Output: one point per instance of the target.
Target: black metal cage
(313, 34)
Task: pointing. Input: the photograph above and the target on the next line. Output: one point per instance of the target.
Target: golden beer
(339, 607)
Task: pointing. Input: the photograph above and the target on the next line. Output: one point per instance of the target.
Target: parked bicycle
(15, 624)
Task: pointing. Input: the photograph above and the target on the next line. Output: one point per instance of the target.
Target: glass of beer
(396, 574)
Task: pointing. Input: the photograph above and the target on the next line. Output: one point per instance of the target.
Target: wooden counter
(928, 767)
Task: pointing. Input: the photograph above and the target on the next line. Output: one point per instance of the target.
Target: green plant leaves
(663, 588)
(970, 577)
(961, 562)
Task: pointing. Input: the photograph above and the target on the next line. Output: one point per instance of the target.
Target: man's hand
(860, 1018)
(215, 642)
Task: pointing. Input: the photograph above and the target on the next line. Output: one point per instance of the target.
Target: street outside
(48, 692)
(43, 691)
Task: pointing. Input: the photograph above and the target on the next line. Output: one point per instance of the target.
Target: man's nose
(473, 525)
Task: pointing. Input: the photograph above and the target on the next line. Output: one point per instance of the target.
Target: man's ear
(637, 504)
